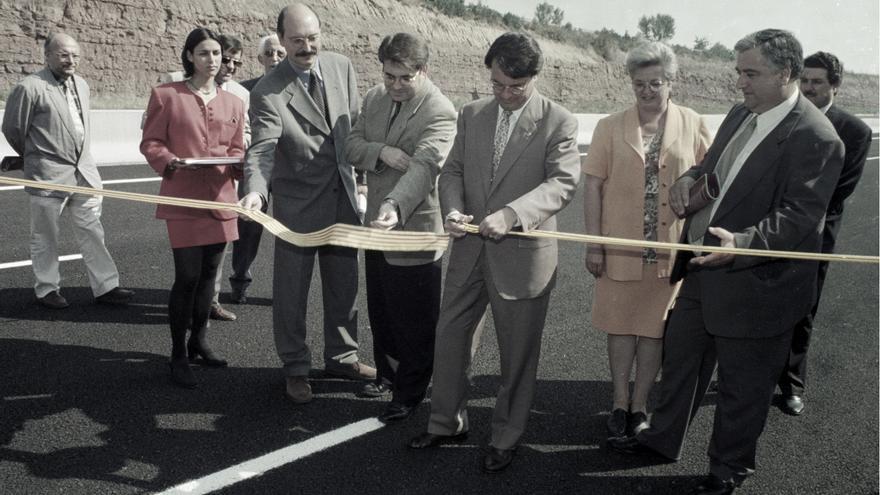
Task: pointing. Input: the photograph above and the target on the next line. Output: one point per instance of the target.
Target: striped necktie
(74, 108)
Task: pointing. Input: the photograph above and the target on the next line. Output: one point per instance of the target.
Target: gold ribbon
(354, 236)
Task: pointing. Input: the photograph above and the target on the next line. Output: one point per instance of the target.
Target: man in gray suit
(777, 159)
(401, 138)
(514, 165)
(301, 114)
(47, 123)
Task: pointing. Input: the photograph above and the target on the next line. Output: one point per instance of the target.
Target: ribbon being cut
(395, 240)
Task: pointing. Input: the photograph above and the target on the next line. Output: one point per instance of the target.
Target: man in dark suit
(513, 165)
(401, 139)
(777, 159)
(301, 114)
(47, 123)
(244, 250)
(820, 81)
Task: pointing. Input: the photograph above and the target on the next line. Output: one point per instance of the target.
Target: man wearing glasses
(302, 112)
(401, 139)
(513, 166)
(269, 54)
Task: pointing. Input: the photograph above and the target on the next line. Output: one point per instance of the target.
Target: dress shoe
(497, 460)
(115, 297)
(713, 485)
(53, 300)
(181, 374)
(218, 313)
(238, 296)
(352, 371)
(375, 389)
(298, 389)
(194, 351)
(635, 423)
(427, 440)
(616, 424)
(395, 411)
(631, 446)
(792, 405)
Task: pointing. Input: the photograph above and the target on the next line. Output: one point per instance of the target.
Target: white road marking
(114, 181)
(873, 158)
(272, 460)
(19, 264)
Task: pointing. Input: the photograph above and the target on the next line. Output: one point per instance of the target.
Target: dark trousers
(244, 250)
(403, 304)
(189, 304)
(747, 373)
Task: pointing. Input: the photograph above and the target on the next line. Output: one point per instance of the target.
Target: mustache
(303, 53)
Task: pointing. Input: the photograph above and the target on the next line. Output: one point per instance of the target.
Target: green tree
(701, 44)
(660, 27)
(548, 15)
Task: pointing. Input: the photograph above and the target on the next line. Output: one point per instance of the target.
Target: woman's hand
(595, 259)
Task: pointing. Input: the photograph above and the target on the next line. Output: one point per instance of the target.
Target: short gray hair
(264, 41)
(781, 49)
(652, 53)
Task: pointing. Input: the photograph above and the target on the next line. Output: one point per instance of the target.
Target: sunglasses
(228, 60)
(280, 53)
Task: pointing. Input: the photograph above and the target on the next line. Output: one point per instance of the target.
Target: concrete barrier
(116, 134)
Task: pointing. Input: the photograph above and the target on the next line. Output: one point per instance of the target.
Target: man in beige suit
(301, 114)
(403, 135)
(47, 123)
(514, 164)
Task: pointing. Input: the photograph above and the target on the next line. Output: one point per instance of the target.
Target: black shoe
(181, 374)
(616, 424)
(426, 440)
(714, 485)
(497, 460)
(395, 411)
(239, 291)
(375, 389)
(115, 297)
(792, 405)
(194, 351)
(635, 423)
(631, 446)
(53, 300)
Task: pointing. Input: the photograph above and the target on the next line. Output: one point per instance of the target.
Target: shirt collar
(771, 118)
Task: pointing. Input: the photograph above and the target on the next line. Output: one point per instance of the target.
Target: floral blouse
(651, 145)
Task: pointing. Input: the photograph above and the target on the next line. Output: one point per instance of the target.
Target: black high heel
(194, 351)
(181, 374)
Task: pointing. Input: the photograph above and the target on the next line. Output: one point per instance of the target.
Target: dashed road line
(19, 264)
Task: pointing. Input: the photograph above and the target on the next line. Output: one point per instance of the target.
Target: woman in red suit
(194, 118)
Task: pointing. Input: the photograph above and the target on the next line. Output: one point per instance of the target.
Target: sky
(846, 28)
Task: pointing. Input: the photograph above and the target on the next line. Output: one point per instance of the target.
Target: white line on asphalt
(272, 460)
(874, 158)
(114, 181)
(19, 264)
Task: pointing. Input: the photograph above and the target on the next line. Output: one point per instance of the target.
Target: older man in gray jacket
(47, 123)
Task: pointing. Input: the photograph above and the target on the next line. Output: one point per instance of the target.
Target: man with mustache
(301, 114)
(820, 82)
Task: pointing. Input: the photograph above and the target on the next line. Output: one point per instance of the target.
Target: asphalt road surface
(86, 406)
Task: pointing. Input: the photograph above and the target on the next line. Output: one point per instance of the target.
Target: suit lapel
(672, 129)
(520, 138)
(300, 100)
(59, 101)
(332, 90)
(407, 110)
(631, 133)
(487, 119)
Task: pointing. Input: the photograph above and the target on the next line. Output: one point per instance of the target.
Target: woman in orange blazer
(194, 118)
(634, 158)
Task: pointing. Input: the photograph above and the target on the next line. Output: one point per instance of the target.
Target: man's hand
(595, 259)
(717, 259)
(679, 195)
(498, 224)
(387, 218)
(454, 223)
(251, 201)
(394, 158)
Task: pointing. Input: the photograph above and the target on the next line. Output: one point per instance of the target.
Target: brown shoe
(298, 389)
(53, 300)
(352, 371)
(218, 313)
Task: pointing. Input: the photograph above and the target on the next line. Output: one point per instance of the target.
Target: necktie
(73, 107)
(700, 221)
(317, 95)
(500, 142)
(394, 113)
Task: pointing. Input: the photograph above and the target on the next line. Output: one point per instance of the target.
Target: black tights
(189, 305)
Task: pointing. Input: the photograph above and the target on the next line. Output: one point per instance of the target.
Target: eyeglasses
(312, 39)
(228, 60)
(271, 53)
(655, 85)
(405, 80)
(515, 89)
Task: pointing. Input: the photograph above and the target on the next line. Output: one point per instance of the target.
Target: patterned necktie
(700, 221)
(317, 95)
(500, 142)
(73, 107)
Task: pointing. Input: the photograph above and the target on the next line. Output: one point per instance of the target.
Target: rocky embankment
(128, 43)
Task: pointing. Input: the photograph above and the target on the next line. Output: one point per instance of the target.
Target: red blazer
(180, 125)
